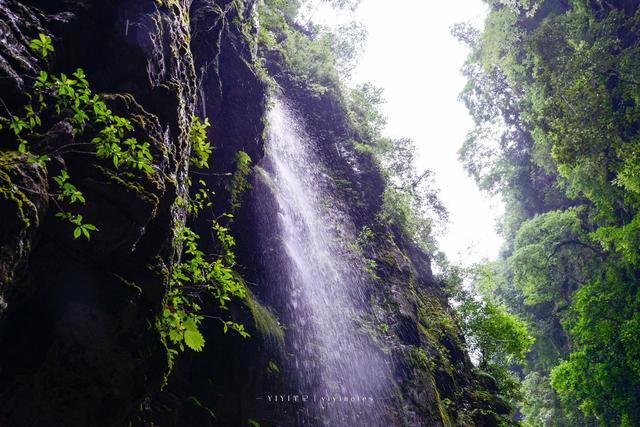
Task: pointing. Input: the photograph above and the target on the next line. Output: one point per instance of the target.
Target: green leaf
(76, 232)
(42, 44)
(175, 335)
(194, 339)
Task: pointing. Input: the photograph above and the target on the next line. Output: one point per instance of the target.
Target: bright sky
(412, 55)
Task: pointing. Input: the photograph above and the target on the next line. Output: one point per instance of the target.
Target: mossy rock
(23, 201)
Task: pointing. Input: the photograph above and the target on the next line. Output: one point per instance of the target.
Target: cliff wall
(79, 342)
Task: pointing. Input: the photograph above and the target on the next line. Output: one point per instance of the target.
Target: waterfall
(320, 280)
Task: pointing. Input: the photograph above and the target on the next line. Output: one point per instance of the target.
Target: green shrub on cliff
(69, 98)
(315, 55)
(198, 274)
(43, 45)
(106, 136)
(200, 148)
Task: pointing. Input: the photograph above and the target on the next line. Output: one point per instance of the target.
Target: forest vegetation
(545, 335)
(554, 90)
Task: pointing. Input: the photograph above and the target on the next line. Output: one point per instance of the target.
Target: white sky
(412, 55)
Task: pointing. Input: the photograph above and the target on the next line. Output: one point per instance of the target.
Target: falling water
(321, 282)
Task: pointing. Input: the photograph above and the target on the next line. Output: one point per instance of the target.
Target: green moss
(444, 414)
(418, 358)
(10, 163)
(127, 180)
(362, 148)
(239, 183)
(432, 313)
(265, 321)
(272, 368)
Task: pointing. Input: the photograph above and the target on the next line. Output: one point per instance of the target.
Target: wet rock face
(76, 317)
(435, 382)
(77, 342)
(77, 349)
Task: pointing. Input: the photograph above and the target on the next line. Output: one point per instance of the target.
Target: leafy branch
(70, 98)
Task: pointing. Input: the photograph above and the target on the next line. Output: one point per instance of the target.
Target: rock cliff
(79, 343)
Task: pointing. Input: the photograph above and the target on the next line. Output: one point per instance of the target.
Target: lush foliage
(197, 274)
(553, 89)
(200, 148)
(496, 339)
(62, 97)
(411, 210)
(411, 202)
(55, 98)
(322, 59)
(312, 52)
(200, 276)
